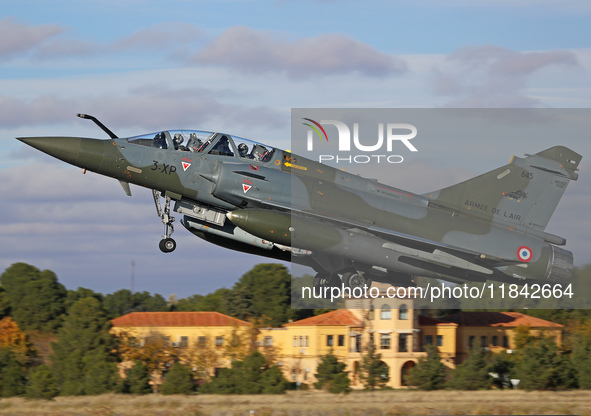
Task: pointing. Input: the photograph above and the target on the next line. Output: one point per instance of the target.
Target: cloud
(493, 76)
(47, 109)
(168, 37)
(18, 38)
(162, 36)
(254, 51)
(150, 108)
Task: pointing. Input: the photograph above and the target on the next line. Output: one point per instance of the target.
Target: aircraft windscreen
(156, 140)
(247, 149)
(191, 140)
(197, 141)
(185, 140)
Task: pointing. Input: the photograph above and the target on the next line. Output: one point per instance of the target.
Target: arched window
(403, 312)
(386, 313)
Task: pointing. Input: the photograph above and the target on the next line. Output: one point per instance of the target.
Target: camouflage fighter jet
(253, 198)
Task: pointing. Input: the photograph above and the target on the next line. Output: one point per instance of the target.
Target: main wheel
(354, 280)
(167, 245)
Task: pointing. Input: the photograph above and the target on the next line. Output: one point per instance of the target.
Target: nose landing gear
(167, 244)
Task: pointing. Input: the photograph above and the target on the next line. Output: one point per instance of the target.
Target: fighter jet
(251, 197)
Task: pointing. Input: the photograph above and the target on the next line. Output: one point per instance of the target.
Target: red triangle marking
(246, 187)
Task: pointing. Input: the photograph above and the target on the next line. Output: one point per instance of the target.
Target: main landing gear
(351, 280)
(167, 244)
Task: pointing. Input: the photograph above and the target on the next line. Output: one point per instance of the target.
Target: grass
(386, 403)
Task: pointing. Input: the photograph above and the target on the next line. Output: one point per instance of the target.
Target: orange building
(397, 331)
(455, 334)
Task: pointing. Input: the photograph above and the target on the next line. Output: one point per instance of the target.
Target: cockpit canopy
(196, 141)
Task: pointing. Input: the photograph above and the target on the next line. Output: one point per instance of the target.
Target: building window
(403, 312)
(219, 341)
(201, 342)
(295, 341)
(471, 341)
(428, 339)
(385, 341)
(385, 313)
(505, 341)
(495, 341)
(306, 341)
(483, 341)
(440, 340)
(329, 341)
(357, 343)
(184, 342)
(268, 341)
(341, 341)
(301, 341)
(402, 342)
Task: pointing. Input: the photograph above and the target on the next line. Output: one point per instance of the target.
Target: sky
(240, 66)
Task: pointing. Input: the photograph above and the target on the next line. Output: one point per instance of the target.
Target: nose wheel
(167, 244)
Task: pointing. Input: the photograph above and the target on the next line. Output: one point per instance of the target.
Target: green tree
(472, 373)
(123, 301)
(373, 372)
(36, 298)
(12, 374)
(138, 379)
(541, 366)
(41, 384)
(82, 361)
(253, 375)
(4, 304)
(263, 291)
(101, 375)
(75, 295)
(212, 302)
(179, 380)
(430, 373)
(581, 360)
(502, 364)
(331, 375)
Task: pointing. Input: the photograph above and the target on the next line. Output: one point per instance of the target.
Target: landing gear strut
(167, 244)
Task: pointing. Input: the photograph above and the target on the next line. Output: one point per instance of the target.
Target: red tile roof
(334, 318)
(143, 319)
(506, 319)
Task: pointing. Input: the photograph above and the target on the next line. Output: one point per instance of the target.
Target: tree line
(537, 363)
(83, 356)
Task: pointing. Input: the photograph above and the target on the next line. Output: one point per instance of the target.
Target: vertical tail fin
(525, 192)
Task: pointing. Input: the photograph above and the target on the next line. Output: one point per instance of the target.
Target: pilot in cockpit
(243, 150)
(222, 148)
(160, 141)
(194, 143)
(178, 141)
(260, 152)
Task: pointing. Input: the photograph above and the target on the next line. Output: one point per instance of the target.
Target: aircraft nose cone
(63, 148)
